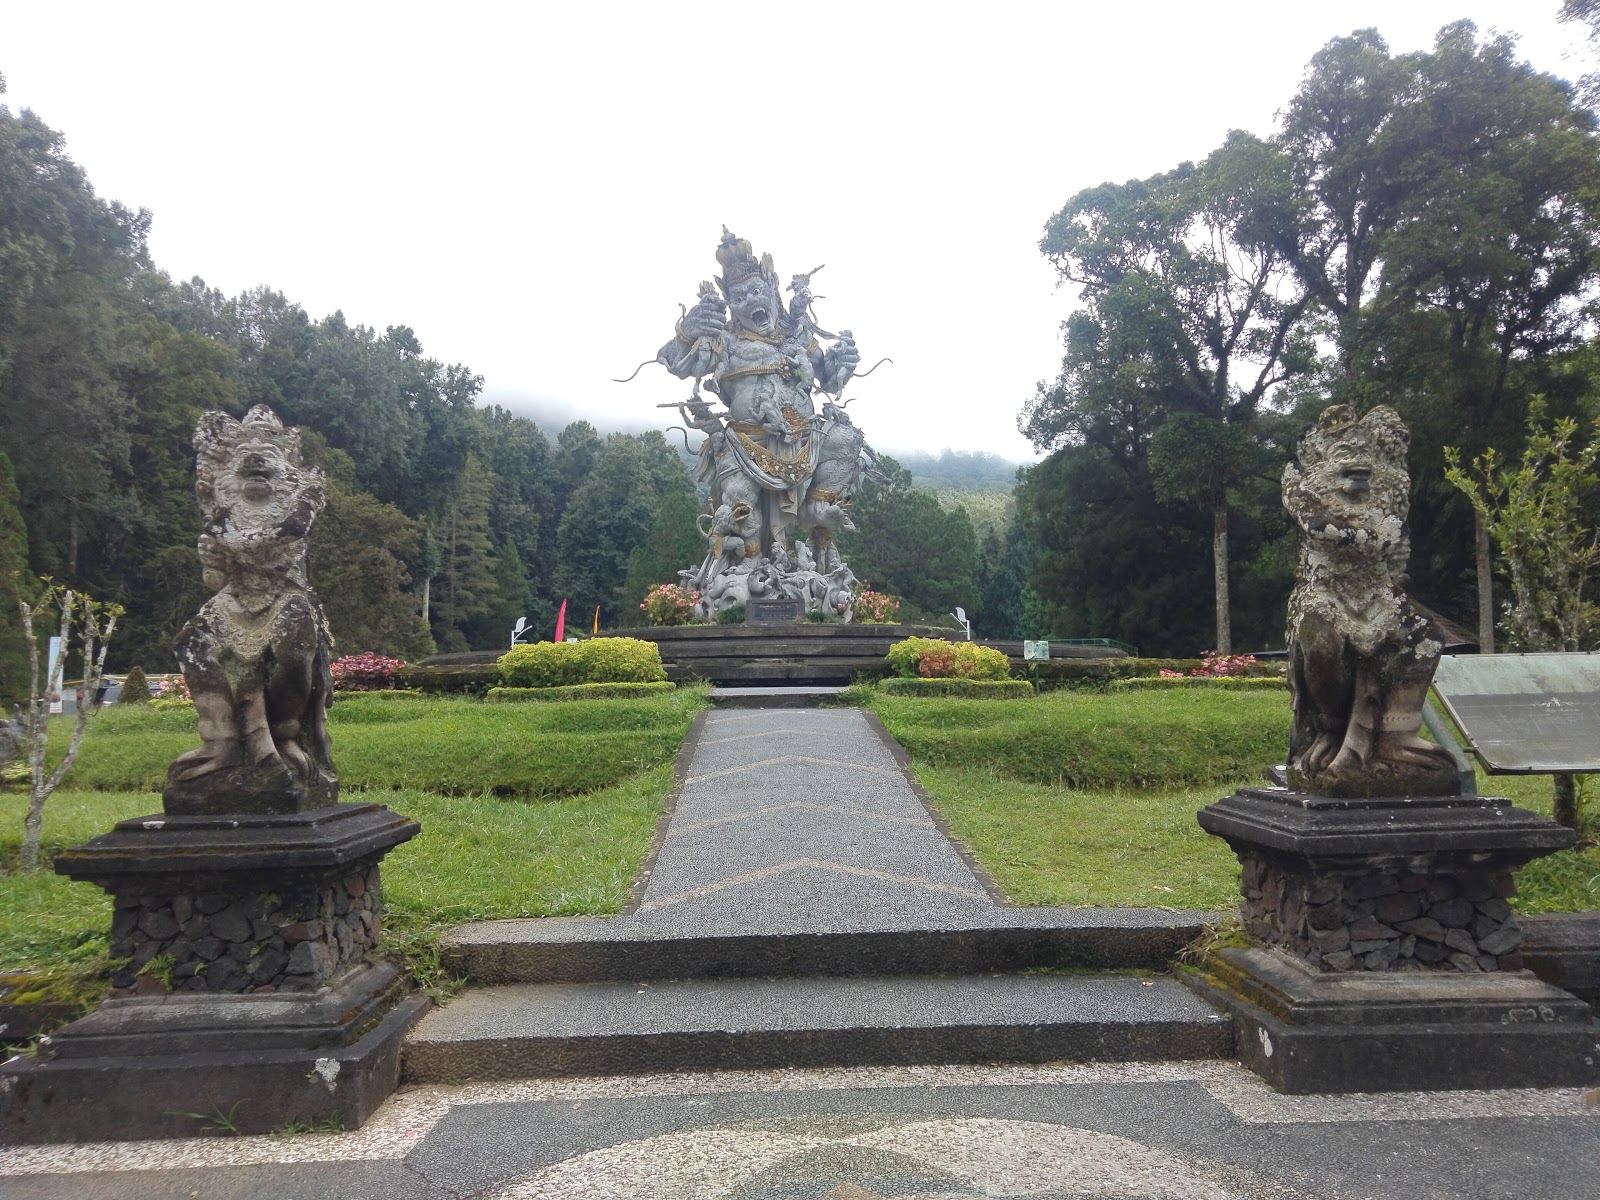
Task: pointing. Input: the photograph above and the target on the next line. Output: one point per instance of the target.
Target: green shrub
(445, 744)
(972, 689)
(622, 660)
(471, 679)
(731, 616)
(935, 658)
(596, 660)
(580, 691)
(542, 664)
(135, 688)
(391, 696)
(1167, 683)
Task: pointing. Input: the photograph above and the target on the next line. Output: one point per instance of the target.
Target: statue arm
(835, 365)
(697, 345)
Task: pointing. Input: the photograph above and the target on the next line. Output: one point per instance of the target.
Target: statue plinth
(247, 940)
(1386, 956)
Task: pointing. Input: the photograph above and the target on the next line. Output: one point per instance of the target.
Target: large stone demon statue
(780, 474)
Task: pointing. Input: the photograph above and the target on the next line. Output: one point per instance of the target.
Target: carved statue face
(754, 305)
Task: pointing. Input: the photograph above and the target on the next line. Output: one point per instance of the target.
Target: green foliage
(472, 680)
(909, 546)
(581, 691)
(358, 558)
(1167, 684)
(731, 616)
(970, 689)
(135, 688)
(1542, 515)
(13, 565)
(441, 744)
(1089, 741)
(595, 660)
(935, 658)
(672, 545)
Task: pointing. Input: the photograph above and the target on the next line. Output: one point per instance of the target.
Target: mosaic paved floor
(1134, 1131)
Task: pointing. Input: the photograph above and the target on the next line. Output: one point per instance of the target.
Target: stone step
(774, 696)
(519, 1031)
(600, 949)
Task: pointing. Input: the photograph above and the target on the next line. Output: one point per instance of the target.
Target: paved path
(802, 819)
(756, 845)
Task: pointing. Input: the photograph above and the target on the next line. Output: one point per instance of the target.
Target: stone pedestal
(1389, 958)
(248, 991)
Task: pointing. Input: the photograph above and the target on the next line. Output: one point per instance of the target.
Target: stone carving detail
(256, 655)
(1383, 918)
(222, 941)
(780, 474)
(1361, 655)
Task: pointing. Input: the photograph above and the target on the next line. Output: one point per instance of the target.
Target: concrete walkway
(798, 846)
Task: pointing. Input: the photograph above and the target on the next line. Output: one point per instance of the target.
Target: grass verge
(450, 745)
(1097, 741)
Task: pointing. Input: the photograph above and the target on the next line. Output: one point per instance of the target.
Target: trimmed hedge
(940, 659)
(578, 691)
(1166, 683)
(595, 660)
(471, 680)
(1097, 673)
(970, 689)
(386, 695)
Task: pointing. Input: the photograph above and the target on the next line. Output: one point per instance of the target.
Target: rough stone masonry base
(247, 1003)
(1388, 957)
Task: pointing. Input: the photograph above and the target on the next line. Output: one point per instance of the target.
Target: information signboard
(1036, 651)
(1525, 714)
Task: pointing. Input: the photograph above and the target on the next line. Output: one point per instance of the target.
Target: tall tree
(1192, 318)
(13, 568)
(468, 589)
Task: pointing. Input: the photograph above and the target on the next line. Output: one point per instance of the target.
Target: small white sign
(1036, 651)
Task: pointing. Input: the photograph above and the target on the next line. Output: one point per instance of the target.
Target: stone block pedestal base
(247, 1001)
(1309, 1031)
(190, 1064)
(1388, 956)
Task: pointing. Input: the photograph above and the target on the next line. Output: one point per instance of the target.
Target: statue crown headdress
(218, 436)
(739, 262)
(1380, 437)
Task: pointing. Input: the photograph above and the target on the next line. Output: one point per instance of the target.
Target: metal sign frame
(1525, 714)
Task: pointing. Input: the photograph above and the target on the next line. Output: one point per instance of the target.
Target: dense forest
(1421, 230)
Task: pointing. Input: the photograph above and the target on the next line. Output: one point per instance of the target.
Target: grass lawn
(451, 746)
(1001, 773)
(535, 810)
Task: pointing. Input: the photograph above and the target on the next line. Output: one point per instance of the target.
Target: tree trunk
(427, 589)
(1485, 586)
(1219, 567)
(1566, 799)
(72, 536)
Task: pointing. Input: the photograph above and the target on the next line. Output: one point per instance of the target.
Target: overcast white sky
(535, 188)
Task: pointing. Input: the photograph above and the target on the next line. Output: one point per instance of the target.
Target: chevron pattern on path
(826, 828)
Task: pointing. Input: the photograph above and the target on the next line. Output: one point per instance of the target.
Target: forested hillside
(1422, 230)
(445, 521)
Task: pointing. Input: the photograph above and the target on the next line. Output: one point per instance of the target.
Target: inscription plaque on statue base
(773, 612)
